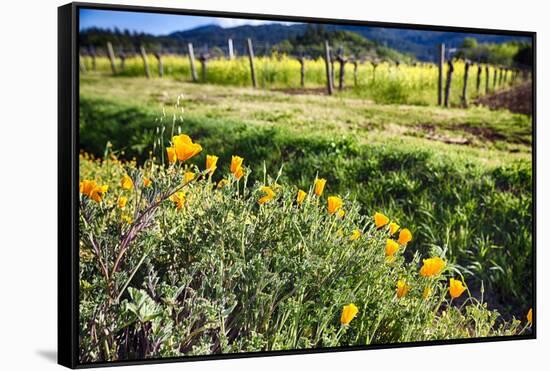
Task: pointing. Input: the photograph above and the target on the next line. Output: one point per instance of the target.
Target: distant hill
(423, 44)
(311, 43)
(420, 44)
(262, 35)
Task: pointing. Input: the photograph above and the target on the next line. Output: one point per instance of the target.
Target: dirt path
(518, 99)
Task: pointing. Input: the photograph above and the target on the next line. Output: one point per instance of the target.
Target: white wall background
(28, 182)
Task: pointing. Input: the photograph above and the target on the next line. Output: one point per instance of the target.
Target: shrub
(173, 264)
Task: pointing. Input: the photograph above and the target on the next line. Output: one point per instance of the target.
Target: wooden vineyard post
(192, 62)
(495, 74)
(122, 57)
(230, 47)
(328, 68)
(500, 76)
(203, 58)
(93, 55)
(505, 76)
(145, 62)
(487, 78)
(341, 75)
(342, 63)
(302, 62)
(158, 56)
(81, 64)
(441, 62)
(465, 86)
(251, 60)
(111, 55)
(448, 85)
(332, 70)
(478, 81)
(355, 65)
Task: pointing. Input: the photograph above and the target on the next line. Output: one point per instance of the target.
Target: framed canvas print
(235, 185)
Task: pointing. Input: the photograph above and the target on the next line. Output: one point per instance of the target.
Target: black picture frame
(68, 180)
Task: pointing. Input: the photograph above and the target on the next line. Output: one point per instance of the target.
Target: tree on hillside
(524, 57)
(507, 54)
(311, 44)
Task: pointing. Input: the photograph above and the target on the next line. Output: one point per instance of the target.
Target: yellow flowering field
(176, 263)
(383, 82)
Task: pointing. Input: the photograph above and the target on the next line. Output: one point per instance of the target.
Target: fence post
(122, 57)
(251, 60)
(487, 78)
(145, 61)
(111, 54)
(93, 55)
(332, 70)
(448, 85)
(230, 46)
(158, 56)
(342, 61)
(302, 61)
(478, 81)
(440, 79)
(192, 62)
(203, 58)
(355, 65)
(81, 64)
(465, 87)
(328, 68)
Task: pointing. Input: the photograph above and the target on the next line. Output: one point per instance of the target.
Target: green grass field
(460, 178)
(487, 133)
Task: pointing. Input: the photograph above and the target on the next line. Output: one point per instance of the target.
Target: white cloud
(234, 22)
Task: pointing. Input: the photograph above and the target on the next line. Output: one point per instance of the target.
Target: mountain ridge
(422, 44)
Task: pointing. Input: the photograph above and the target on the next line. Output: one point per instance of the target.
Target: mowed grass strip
(489, 136)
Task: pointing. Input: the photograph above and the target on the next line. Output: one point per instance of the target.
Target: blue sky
(153, 23)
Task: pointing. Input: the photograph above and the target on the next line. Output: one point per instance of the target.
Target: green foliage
(469, 43)
(524, 56)
(507, 54)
